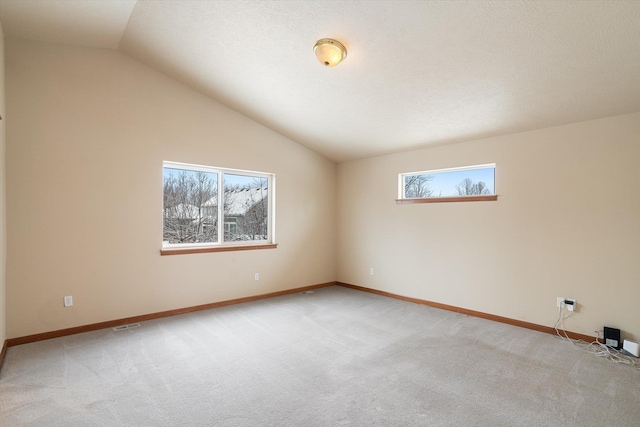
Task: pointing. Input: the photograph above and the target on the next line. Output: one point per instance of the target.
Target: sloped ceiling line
(417, 73)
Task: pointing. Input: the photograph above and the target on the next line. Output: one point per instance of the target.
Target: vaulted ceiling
(417, 72)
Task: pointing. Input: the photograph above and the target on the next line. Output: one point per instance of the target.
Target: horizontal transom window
(469, 183)
(197, 215)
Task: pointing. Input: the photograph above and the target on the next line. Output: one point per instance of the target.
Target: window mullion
(220, 207)
(271, 218)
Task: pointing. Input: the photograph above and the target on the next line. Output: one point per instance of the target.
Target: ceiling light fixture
(329, 52)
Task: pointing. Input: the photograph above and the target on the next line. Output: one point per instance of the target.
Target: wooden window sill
(183, 251)
(488, 198)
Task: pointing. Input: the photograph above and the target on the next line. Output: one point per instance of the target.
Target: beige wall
(90, 128)
(89, 131)
(3, 240)
(567, 223)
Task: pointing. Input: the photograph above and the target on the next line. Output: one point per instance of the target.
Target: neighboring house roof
(241, 200)
(182, 211)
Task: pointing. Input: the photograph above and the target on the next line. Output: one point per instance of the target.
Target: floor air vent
(123, 327)
(307, 292)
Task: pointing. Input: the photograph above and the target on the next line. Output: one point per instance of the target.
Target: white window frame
(220, 245)
(487, 197)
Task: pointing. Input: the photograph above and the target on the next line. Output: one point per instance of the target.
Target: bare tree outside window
(186, 217)
(418, 186)
(469, 188)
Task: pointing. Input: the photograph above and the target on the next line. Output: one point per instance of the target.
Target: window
(193, 208)
(230, 226)
(471, 183)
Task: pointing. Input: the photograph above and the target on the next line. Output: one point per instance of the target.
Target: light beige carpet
(334, 357)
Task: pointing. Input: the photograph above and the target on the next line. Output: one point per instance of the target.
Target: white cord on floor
(596, 347)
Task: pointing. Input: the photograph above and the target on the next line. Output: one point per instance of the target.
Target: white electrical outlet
(631, 348)
(257, 276)
(68, 301)
(371, 271)
(560, 303)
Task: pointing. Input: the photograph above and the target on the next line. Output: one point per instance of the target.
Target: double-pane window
(207, 206)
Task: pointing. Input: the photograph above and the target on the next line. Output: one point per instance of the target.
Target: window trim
(402, 199)
(206, 249)
(221, 245)
(485, 198)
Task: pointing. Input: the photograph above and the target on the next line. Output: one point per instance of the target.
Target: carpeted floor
(333, 357)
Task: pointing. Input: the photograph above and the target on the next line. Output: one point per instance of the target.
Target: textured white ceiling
(417, 72)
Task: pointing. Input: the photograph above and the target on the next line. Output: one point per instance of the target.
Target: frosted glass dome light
(329, 52)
